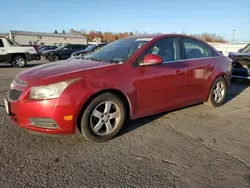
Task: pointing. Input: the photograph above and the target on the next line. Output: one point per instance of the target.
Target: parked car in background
(89, 49)
(241, 63)
(62, 52)
(17, 54)
(46, 47)
(127, 79)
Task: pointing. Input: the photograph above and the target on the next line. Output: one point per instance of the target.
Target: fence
(227, 47)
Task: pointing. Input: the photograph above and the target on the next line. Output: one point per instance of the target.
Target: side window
(166, 48)
(68, 47)
(76, 47)
(193, 49)
(1, 43)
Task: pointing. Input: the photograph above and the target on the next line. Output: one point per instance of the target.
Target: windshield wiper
(102, 60)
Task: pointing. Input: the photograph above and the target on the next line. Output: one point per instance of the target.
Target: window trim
(2, 43)
(177, 38)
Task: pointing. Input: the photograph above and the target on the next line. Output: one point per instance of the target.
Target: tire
(50, 58)
(19, 62)
(89, 121)
(55, 58)
(222, 93)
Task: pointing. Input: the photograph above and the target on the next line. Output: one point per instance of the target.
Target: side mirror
(64, 49)
(240, 50)
(151, 59)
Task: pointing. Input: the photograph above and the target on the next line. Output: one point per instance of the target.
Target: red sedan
(127, 79)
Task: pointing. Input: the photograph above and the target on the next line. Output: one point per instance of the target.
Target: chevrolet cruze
(126, 79)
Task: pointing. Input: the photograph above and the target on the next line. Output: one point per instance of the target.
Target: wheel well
(15, 55)
(221, 75)
(118, 93)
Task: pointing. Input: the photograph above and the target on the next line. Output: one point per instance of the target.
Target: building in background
(40, 38)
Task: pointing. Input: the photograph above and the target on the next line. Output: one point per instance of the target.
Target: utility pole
(183, 30)
(233, 35)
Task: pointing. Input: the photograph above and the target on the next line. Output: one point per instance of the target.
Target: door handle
(179, 72)
(209, 66)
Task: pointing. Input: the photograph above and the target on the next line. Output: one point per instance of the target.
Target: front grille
(43, 122)
(14, 94)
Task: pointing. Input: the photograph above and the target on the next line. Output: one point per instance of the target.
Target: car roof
(155, 36)
(76, 44)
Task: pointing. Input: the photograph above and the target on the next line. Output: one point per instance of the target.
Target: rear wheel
(19, 62)
(218, 93)
(103, 118)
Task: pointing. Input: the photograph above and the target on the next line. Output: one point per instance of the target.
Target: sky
(219, 17)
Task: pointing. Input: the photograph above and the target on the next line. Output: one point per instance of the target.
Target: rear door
(199, 62)
(3, 51)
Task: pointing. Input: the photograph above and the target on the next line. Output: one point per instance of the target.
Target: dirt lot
(193, 147)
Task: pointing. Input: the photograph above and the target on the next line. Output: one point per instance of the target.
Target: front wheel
(19, 62)
(103, 118)
(56, 58)
(218, 93)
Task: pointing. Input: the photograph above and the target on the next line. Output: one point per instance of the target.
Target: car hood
(61, 70)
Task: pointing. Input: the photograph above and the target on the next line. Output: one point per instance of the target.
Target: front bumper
(31, 57)
(42, 116)
(54, 116)
(241, 73)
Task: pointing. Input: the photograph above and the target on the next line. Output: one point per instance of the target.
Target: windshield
(12, 43)
(246, 49)
(117, 51)
(91, 47)
(60, 47)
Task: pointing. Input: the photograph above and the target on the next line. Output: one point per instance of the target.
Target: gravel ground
(193, 147)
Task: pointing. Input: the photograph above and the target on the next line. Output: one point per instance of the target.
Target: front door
(199, 62)
(161, 87)
(66, 52)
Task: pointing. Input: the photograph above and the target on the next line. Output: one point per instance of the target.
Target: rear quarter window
(209, 52)
(194, 49)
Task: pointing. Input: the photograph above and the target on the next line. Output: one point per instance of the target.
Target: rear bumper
(31, 57)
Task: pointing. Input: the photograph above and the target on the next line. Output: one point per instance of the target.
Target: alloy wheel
(219, 92)
(105, 118)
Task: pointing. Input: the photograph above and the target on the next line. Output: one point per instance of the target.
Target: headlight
(49, 91)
